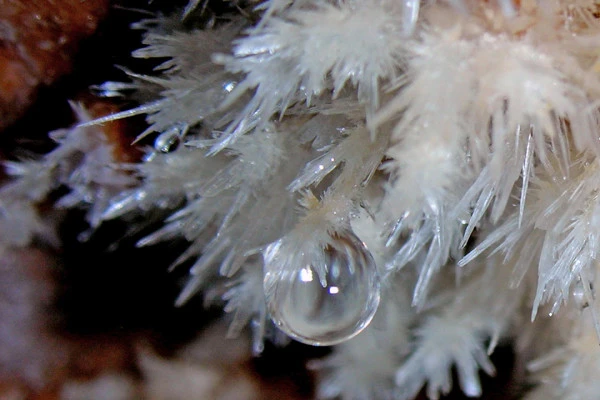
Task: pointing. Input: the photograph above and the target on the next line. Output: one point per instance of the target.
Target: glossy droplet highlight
(168, 141)
(328, 297)
(581, 297)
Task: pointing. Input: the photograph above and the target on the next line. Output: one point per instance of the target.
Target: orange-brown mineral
(38, 39)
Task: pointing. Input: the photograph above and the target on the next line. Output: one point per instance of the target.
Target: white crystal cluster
(83, 163)
(81, 171)
(411, 180)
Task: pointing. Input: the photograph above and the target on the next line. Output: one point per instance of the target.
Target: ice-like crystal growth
(330, 296)
(458, 125)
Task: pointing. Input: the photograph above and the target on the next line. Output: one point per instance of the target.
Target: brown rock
(117, 132)
(30, 353)
(37, 42)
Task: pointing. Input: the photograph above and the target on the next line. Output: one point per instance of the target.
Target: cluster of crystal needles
(410, 181)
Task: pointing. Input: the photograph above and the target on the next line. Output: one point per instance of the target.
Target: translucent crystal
(411, 14)
(329, 296)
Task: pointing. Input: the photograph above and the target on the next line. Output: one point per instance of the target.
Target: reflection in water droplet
(330, 296)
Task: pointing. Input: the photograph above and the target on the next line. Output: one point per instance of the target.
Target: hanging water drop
(168, 141)
(581, 297)
(330, 296)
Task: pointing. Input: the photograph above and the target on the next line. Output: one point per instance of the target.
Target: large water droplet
(329, 296)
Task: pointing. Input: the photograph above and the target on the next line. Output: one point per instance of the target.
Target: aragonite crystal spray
(321, 294)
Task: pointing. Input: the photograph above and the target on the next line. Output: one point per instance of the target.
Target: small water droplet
(580, 297)
(168, 140)
(229, 86)
(327, 299)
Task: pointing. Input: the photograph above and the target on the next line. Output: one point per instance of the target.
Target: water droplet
(168, 140)
(229, 86)
(330, 296)
(580, 297)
